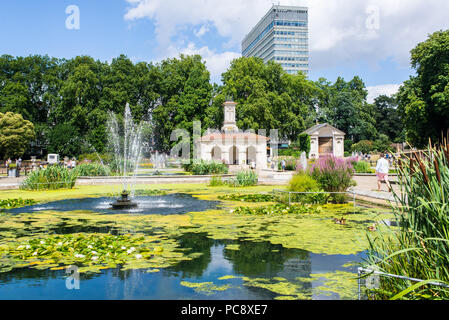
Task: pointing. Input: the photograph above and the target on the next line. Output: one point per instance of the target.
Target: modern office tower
(281, 36)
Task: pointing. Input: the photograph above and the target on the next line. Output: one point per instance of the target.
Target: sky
(367, 38)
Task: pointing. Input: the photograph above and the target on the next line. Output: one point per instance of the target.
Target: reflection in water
(252, 260)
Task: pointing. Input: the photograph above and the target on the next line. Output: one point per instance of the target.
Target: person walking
(382, 170)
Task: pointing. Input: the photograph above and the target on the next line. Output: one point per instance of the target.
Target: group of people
(272, 164)
(18, 163)
(70, 164)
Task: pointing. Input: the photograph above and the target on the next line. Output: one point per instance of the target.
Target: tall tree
(388, 120)
(268, 97)
(343, 105)
(424, 98)
(185, 95)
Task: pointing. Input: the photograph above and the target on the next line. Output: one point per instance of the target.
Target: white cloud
(216, 62)
(386, 89)
(201, 31)
(341, 31)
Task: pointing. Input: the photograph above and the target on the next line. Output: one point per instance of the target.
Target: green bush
(92, 170)
(200, 168)
(303, 182)
(94, 157)
(364, 146)
(290, 152)
(334, 175)
(244, 179)
(54, 177)
(363, 167)
(216, 181)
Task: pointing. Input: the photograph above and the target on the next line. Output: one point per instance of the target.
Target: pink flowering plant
(333, 174)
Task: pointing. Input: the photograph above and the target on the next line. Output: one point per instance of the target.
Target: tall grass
(206, 168)
(54, 177)
(420, 248)
(92, 170)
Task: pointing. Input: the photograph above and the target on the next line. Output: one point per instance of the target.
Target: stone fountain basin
(170, 204)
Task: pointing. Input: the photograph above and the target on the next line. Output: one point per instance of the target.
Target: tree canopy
(424, 98)
(268, 97)
(15, 135)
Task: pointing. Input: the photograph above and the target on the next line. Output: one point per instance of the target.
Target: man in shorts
(382, 170)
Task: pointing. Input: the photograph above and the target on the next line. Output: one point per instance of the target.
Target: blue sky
(342, 43)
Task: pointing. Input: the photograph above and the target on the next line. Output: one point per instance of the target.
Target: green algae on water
(207, 288)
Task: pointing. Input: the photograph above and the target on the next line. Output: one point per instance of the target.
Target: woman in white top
(382, 170)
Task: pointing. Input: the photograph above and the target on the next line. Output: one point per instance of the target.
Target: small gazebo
(326, 140)
(232, 146)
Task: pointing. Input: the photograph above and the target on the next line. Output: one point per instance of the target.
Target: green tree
(185, 96)
(268, 97)
(343, 105)
(64, 139)
(424, 98)
(15, 134)
(388, 119)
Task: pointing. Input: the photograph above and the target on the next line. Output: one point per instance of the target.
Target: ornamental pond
(185, 242)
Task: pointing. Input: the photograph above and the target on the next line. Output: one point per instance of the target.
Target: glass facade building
(281, 36)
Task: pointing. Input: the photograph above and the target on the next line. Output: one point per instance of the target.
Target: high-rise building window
(281, 36)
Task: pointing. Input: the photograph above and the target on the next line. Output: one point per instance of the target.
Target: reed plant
(419, 249)
(245, 178)
(54, 177)
(92, 170)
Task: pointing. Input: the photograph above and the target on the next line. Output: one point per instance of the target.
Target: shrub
(244, 179)
(216, 181)
(303, 182)
(247, 178)
(206, 167)
(363, 167)
(291, 152)
(94, 157)
(92, 170)
(54, 177)
(334, 175)
(364, 146)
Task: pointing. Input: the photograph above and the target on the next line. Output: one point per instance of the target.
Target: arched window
(216, 153)
(234, 155)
